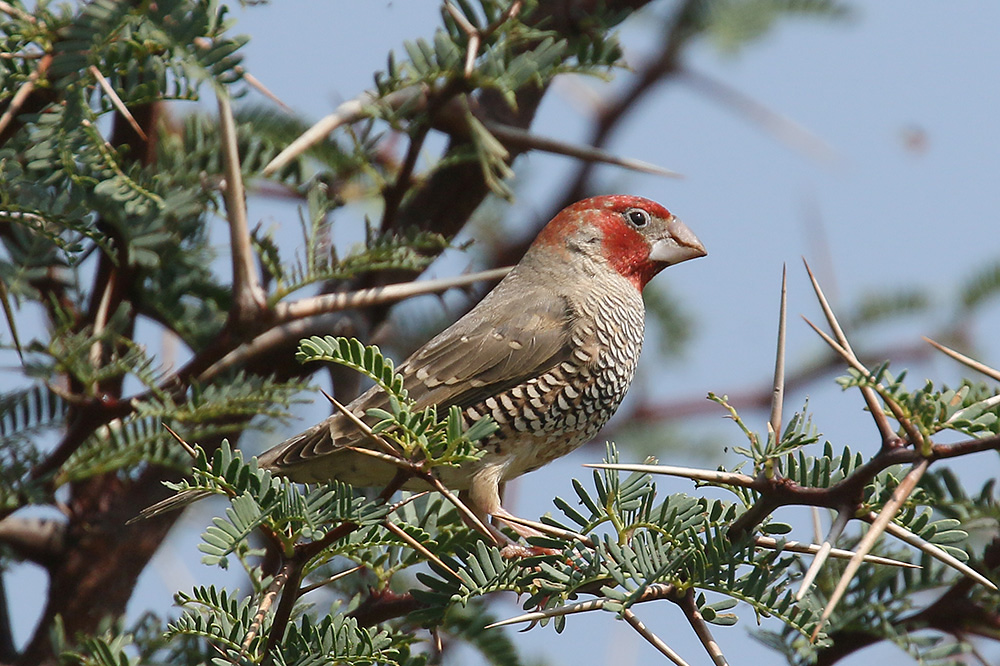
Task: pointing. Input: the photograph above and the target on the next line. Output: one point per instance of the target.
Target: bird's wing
(489, 350)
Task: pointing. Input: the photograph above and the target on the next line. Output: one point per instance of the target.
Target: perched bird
(548, 354)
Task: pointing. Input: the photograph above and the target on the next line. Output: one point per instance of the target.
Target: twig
(285, 334)
(569, 609)
(22, 94)
(780, 127)
(889, 511)
(652, 638)
(291, 573)
(16, 12)
(35, 539)
(277, 584)
(694, 617)
(390, 293)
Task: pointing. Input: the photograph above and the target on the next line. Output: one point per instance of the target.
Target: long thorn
(992, 373)
(889, 511)
(824, 551)
(326, 581)
(916, 437)
(412, 498)
(652, 638)
(361, 425)
(836, 553)
(248, 295)
(569, 609)
(711, 476)
(419, 547)
(460, 505)
(117, 101)
(9, 314)
(515, 137)
(881, 421)
(548, 529)
(934, 551)
(349, 112)
(778, 387)
(187, 447)
(395, 460)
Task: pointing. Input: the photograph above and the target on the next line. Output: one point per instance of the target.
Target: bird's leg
(484, 499)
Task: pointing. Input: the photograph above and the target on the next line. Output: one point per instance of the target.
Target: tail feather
(178, 501)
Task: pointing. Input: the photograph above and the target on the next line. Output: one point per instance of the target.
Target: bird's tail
(178, 501)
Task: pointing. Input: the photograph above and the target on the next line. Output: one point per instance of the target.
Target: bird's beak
(679, 245)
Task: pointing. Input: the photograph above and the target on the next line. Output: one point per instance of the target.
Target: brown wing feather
(484, 353)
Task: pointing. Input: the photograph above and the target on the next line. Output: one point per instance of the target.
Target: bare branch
(694, 617)
(780, 127)
(390, 293)
(38, 540)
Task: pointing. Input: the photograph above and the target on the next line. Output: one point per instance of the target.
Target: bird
(548, 354)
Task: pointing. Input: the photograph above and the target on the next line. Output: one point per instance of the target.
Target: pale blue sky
(893, 217)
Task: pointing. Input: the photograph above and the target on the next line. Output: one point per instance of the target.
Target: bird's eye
(637, 217)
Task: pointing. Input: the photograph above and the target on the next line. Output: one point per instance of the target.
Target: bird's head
(633, 236)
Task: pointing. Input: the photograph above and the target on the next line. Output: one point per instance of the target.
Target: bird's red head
(634, 236)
